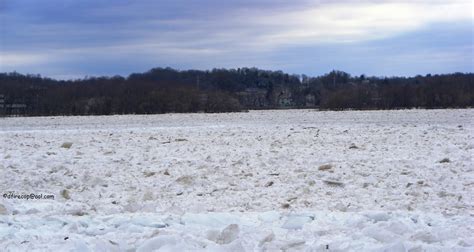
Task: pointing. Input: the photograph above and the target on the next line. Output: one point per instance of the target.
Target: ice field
(286, 180)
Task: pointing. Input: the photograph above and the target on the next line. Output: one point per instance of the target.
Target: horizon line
(299, 75)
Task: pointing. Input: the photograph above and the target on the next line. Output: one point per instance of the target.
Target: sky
(66, 39)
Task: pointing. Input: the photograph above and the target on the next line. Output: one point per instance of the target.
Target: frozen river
(259, 181)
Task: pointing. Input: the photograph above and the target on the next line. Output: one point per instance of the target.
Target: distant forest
(165, 90)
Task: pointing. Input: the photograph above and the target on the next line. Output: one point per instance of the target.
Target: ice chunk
(161, 243)
(268, 238)
(76, 246)
(333, 182)
(3, 209)
(325, 167)
(235, 246)
(377, 216)
(229, 234)
(424, 236)
(396, 247)
(148, 222)
(269, 216)
(185, 180)
(297, 221)
(296, 245)
(214, 220)
(65, 193)
(398, 227)
(380, 234)
(66, 145)
(102, 245)
(213, 235)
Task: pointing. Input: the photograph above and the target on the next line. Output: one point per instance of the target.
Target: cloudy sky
(74, 38)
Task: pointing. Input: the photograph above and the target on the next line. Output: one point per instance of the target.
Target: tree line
(165, 90)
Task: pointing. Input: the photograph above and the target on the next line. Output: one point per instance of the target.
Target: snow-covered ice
(286, 180)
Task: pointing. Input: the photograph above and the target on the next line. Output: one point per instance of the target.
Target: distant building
(284, 98)
(2, 101)
(2, 105)
(203, 98)
(310, 100)
(285, 102)
(16, 108)
(253, 98)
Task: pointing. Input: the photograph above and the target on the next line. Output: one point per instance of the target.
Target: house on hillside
(310, 100)
(253, 98)
(2, 104)
(283, 98)
(14, 108)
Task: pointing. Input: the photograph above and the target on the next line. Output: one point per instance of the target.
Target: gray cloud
(204, 33)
